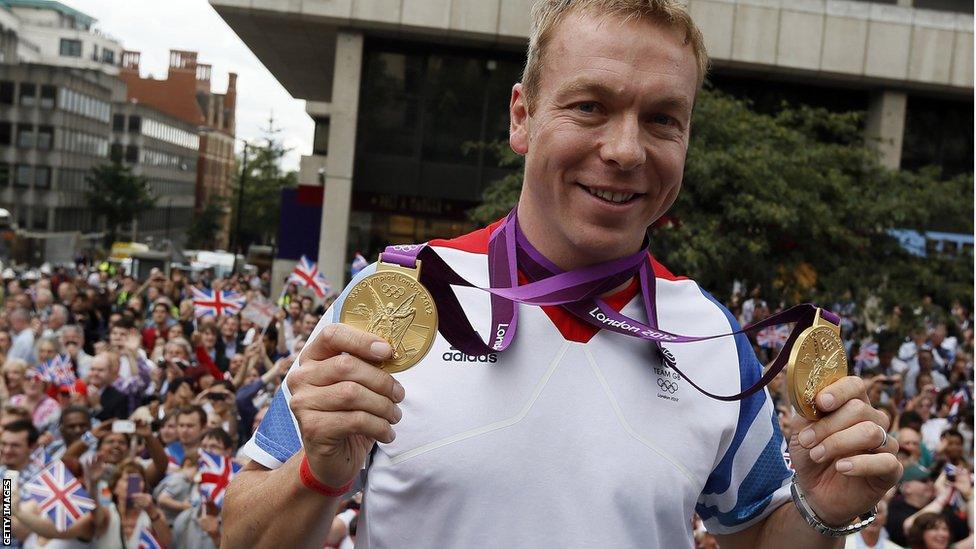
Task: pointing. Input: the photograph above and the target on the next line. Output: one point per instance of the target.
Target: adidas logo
(454, 355)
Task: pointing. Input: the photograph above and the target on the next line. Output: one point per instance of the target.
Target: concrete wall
(841, 39)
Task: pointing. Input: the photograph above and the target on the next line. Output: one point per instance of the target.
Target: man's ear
(518, 134)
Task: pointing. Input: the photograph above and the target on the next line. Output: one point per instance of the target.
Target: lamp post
(235, 241)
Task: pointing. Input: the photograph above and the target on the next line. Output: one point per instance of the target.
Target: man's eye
(588, 107)
(663, 119)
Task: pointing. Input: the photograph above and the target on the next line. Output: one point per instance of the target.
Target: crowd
(133, 399)
(917, 364)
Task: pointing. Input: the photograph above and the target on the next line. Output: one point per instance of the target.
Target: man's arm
(784, 525)
(259, 522)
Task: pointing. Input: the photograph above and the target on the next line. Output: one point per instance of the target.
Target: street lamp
(235, 241)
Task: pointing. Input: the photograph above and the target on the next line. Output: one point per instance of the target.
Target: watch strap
(803, 507)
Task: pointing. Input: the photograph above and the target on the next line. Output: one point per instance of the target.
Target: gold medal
(394, 305)
(817, 359)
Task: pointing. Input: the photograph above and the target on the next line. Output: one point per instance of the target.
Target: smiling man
(573, 436)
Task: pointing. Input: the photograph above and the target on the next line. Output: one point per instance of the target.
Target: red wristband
(312, 483)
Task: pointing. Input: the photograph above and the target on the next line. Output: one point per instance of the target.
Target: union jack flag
(867, 356)
(216, 472)
(358, 263)
(956, 401)
(60, 494)
(56, 371)
(307, 274)
(211, 303)
(147, 541)
(773, 336)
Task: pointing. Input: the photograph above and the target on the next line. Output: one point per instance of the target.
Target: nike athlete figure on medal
(603, 118)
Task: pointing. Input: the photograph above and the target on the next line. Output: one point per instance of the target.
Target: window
(116, 152)
(132, 154)
(4, 174)
(108, 57)
(48, 94)
(45, 138)
(135, 123)
(42, 176)
(25, 137)
(95, 52)
(28, 94)
(40, 217)
(24, 176)
(5, 133)
(118, 123)
(70, 48)
(320, 143)
(6, 93)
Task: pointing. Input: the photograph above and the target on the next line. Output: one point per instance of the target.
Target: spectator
(72, 339)
(228, 343)
(22, 346)
(158, 325)
(875, 536)
(929, 531)
(190, 422)
(75, 421)
(14, 372)
(104, 399)
(126, 515)
(135, 371)
(45, 411)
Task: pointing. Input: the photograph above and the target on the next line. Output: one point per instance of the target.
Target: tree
(796, 201)
(263, 181)
(203, 230)
(118, 195)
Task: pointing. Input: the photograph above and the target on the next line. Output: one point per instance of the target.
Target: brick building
(186, 94)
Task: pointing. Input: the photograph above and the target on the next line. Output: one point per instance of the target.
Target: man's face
(98, 372)
(953, 448)
(14, 449)
(920, 489)
(189, 429)
(910, 440)
(114, 448)
(73, 426)
(611, 116)
(117, 337)
(229, 328)
(5, 340)
(72, 341)
(159, 315)
(214, 446)
(308, 323)
(294, 309)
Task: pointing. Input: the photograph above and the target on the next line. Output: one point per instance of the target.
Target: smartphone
(132, 488)
(123, 426)
(950, 472)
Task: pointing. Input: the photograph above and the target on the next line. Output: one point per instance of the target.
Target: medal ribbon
(576, 291)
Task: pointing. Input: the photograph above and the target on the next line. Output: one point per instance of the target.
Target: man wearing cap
(562, 440)
(921, 489)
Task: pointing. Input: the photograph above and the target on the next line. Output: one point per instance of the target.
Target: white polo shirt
(569, 438)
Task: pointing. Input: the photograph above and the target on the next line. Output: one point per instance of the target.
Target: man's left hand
(840, 464)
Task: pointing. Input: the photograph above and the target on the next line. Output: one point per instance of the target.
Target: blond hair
(547, 14)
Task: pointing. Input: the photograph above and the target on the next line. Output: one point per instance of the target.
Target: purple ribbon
(577, 291)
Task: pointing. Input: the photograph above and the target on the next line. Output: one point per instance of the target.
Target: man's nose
(624, 146)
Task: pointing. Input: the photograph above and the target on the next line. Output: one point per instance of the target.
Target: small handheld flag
(61, 496)
(211, 303)
(307, 274)
(216, 472)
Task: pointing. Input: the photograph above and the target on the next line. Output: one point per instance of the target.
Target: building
(51, 33)
(186, 94)
(55, 125)
(163, 149)
(397, 87)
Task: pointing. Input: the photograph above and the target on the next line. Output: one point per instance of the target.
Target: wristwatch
(861, 521)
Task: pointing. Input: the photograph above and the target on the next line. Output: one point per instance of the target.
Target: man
(55, 320)
(17, 445)
(564, 425)
(874, 536)
(75, 420)
(190, 422)
(923, 366)
(72, 339)
(919, 489)
(229, 342)
(158, 324)
(23, 340)
(135, 370)
(105, 400)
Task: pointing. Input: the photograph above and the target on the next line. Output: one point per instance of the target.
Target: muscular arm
(785, 523)
(252, 521)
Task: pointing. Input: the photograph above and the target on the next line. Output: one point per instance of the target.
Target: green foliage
(118, 195)
(263, 181)
(203, 230)
(798, 203)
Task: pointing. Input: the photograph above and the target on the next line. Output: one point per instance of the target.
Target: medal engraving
(392, 304)
(817, 359)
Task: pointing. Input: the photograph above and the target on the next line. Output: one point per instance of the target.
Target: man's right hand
(342, 401)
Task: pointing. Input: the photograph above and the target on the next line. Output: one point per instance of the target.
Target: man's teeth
(610, 196)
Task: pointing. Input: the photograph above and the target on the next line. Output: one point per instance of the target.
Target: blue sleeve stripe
(277, 434)
(749, 372)
(757, 489)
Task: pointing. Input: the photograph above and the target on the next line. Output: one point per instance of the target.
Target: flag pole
(281, 296)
